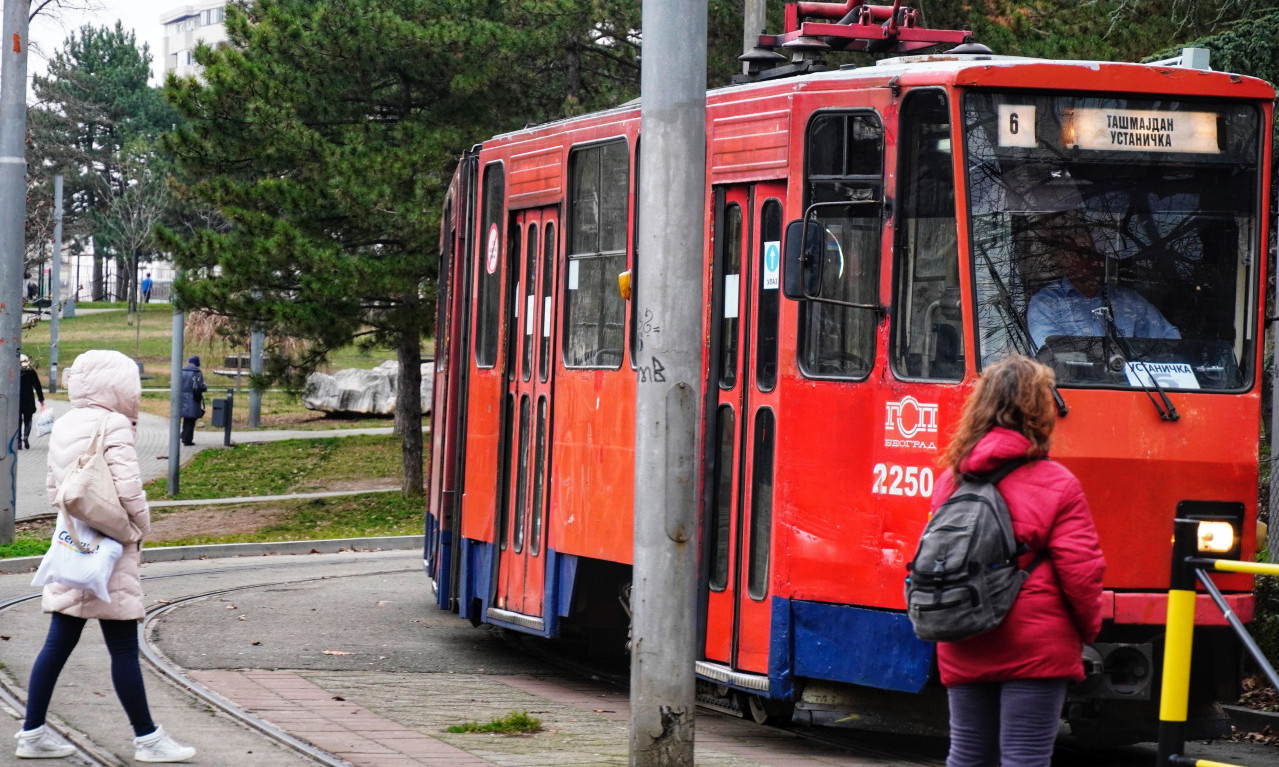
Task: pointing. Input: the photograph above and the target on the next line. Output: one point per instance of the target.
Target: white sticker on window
(730, 296)
(517, 303)
(772, 265)
(546, 317)
(1170, 375)
(1017, 125)
(572, 274)
(528, 319)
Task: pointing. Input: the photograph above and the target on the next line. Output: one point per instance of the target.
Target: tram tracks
(90, 754)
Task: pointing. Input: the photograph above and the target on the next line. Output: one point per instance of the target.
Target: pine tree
(325, 134)
(93, 101)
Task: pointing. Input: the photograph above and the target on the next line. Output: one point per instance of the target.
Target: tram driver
(1081, 302)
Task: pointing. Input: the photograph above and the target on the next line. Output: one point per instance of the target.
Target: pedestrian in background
(146, 289)
(105, 390)
(29, 390)
(193, 390)
(1007, 686)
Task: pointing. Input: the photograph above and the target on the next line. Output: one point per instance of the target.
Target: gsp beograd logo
(911, 424)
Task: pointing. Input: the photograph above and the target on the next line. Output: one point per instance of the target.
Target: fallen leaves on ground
(1259, 695)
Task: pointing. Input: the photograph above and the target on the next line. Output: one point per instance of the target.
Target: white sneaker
(159, 747)
(42, 743)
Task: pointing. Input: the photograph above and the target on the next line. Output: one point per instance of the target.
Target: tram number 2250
(911, 481)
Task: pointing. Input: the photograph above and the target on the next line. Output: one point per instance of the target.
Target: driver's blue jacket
(1059, 309)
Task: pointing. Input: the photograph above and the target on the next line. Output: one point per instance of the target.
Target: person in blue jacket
(193, 389)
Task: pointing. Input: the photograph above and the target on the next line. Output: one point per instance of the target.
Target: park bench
(33, 312)
(234, 366)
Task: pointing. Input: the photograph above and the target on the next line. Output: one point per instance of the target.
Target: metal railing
(1189, 565)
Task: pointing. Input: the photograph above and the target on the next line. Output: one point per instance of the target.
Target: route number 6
(909, 481)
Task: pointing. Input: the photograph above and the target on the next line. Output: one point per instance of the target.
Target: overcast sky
(141, 16)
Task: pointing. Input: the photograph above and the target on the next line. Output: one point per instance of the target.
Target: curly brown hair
(1015, 393)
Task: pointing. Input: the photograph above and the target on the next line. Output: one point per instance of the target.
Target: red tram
(923, 197)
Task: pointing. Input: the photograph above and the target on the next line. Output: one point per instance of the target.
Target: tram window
(722, 505)
(444, 288)
(487, 318)
(761, 505)
(513, 297)
(529, 308)
(766, 324)
(594, 312)
(547, 308)
(927, 334)
(504, 508)
(521, 481)
(1153, 222)
(844, 165)
(539, 480)
(730, 274)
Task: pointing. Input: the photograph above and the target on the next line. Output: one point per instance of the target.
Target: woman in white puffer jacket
(105, 391)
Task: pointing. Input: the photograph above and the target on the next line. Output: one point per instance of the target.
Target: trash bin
(219, 413)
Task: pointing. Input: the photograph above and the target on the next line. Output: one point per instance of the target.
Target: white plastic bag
(81, 559)
(44, 421)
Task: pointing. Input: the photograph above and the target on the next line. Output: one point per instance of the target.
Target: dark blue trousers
(1008, 724)
(126, 674)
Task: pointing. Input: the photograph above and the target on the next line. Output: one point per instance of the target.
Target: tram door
(747, 275)
(521, 524)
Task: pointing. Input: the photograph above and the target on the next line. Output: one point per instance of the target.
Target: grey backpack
(964, 577)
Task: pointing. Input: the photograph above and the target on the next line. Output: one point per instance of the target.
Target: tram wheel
(771, 712)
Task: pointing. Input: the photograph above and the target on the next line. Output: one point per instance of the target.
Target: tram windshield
(1116, 239)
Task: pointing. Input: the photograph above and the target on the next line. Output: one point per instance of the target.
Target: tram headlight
(1215, 537)
(1212, 529)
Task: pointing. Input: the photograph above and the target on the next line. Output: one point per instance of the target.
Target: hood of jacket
(105, 379)
(998, 447)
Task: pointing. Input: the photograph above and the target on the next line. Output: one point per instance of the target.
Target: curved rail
(175, 676)
(88, 755)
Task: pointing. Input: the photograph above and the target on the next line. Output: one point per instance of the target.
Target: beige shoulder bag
(87, 492)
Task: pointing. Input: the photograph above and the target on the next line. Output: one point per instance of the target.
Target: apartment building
(187, 26)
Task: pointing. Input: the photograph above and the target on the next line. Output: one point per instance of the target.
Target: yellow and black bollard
(1180, 628)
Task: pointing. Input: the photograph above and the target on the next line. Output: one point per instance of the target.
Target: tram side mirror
(802, 269)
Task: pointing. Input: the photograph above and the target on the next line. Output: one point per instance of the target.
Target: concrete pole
(753, 21)
(256, 341)
(668, 401)
(55, 305)
(13, 214)
(175, 395)
(1272, 530)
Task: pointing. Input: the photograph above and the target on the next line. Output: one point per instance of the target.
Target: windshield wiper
(1167, 411)
(1027, 346)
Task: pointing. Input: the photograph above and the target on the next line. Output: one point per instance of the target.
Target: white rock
(362, 391)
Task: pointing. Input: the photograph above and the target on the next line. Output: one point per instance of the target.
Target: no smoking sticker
(494, 247)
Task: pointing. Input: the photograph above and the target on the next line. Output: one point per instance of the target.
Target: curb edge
(218, 550)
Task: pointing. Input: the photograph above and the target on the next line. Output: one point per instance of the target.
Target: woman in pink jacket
(1007, 686)
(105, 391)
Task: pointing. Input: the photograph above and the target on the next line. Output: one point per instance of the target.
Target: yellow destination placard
(1141, 130)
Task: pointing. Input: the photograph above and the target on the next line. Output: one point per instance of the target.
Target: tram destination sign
(1115, 129)
(1141, 130)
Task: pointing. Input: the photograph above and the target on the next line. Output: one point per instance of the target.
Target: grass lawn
(358, 462)
(290, 466)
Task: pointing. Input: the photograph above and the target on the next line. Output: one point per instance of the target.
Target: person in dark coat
(1007, 686)
(29, 390)
(193, 390)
